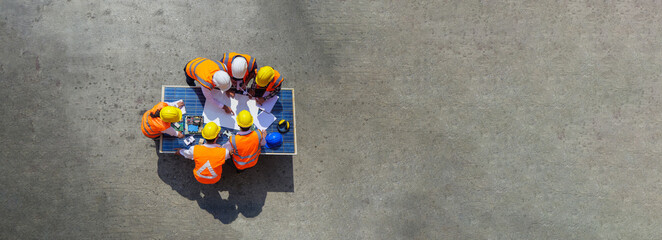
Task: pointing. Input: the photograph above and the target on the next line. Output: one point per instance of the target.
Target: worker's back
(246, 149)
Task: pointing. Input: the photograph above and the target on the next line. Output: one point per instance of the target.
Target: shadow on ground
(247, 190)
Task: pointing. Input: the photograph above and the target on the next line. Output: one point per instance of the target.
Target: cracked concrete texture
(415, 119)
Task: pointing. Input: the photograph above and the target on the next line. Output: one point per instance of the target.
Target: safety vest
(246, 149)
(152, 127)
(228, 57)
(278, 79)
(203, 69)
(208, 163)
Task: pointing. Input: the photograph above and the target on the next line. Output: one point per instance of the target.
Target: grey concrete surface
(415, 119)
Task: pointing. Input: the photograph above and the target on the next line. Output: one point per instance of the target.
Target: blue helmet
(274, 140)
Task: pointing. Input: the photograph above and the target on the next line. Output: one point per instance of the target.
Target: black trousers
(190, 81)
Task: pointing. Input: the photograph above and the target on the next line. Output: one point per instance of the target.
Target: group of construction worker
(231, 75)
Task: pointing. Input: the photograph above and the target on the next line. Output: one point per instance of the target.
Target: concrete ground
(415, 120)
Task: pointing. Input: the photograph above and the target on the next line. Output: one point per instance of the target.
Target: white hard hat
(222, 80)
(239, 65)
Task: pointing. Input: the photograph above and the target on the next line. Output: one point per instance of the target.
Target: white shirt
(227, 145)
(209, 96)
(171, 131)
(188, 153)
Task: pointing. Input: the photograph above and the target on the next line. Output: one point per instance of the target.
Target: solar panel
(195, 102)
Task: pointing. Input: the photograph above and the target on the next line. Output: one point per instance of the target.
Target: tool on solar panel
(179, 126)
(283, 126)
(193, 124)
(227, 134)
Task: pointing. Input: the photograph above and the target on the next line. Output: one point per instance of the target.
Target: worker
(212, 76)
(266, 85)
(242, 68)
(209, 157)
(157, 120)
(245, 146)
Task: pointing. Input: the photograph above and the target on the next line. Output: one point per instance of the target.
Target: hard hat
(239, 65)
(264, 76)
(274, 140)
(283, 126)
(221, 80)
(171, 114)
(244, 119)
(210, 131)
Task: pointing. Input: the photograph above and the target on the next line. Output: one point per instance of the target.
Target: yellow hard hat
(264, 76)
(171, 114)
(210, 131)
(244, 119)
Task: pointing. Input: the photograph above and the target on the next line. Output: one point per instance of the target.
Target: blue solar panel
(195, 102)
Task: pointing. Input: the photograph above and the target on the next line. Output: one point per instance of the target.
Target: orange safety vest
(228, 57)
(273, 84)
(208, 163)
(203, 69)
(246, 149)
(152, 127)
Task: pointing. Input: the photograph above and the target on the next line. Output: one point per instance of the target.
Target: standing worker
(266, 85)
(242, 69)
(246, 144)
(210, 74)
(209, 157)
(157, 120)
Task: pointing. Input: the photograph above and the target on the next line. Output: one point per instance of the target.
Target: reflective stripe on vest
(151, 130)
(278, 79)
(192, 71)
(250, 158)
(210, 159)
(228, 57)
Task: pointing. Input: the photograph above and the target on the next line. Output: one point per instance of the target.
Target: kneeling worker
(210, 75)
(209, 157)
(246, 144)
(157, 120)
(266, 85)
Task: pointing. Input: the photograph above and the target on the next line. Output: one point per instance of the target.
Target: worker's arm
(178, 103)
(172, 132)
(272, 93)
(187, 153)
(228, 146)
(210, 97)
(263, 134)
(251, 89)
(227, 154)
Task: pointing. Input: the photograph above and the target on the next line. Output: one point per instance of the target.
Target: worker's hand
(180, 104)
(180, 135)
(251, 92)
(260, 100)
(228, 110)
(177, 151)
(229, 93)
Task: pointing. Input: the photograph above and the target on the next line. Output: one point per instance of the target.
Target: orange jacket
(208, 163)
(252, 66)
(246, 149)
(203, 69)
(152, 127)
(274, 84)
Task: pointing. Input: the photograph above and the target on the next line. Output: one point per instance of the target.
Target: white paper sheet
(264, 120)
(268, 104)
(214, 113)
(189, 140)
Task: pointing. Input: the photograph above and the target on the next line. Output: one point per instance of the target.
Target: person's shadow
(247, 191)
